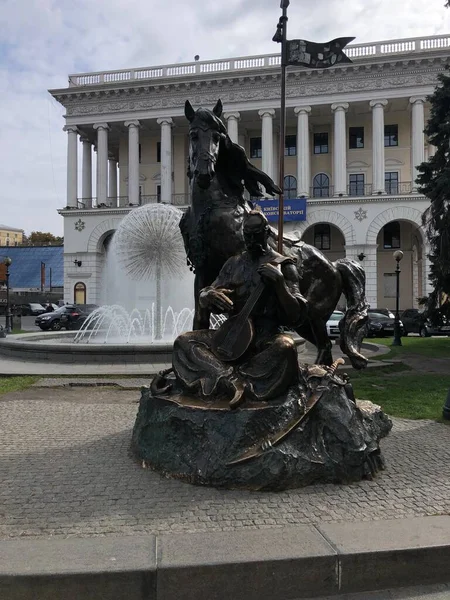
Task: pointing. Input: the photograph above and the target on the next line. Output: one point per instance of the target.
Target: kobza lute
(233, 337)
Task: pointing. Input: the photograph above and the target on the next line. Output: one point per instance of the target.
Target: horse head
(206, 130)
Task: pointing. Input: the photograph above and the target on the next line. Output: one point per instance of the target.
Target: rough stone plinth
(188, 439)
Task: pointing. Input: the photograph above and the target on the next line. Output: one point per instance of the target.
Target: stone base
(187, 439)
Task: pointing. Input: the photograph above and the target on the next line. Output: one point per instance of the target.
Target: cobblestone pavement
(66, 470)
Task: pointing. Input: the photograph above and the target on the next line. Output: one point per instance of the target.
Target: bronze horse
(219, 173)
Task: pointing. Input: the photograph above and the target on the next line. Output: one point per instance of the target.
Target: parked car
(31, 308)
(415, 321)
(52, 320)
(74, 318)
(380, 325)
(333, 324)
(382, 311)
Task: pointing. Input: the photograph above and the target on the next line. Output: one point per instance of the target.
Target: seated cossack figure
(249, 356)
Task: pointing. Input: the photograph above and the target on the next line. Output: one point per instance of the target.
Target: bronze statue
(237, 409)
(220, 172)
(249, 354)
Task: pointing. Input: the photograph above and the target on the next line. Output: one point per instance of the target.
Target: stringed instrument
(235, 335)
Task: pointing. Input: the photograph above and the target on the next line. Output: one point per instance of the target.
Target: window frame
(358, 186)
(323, 236)
(391, 245)
(389, 191)
(287, 148)
(353, 138)
(158, 152)
(321, 188)
(83, 290)
(321, 146)
(390, 136)
(288, 190)
(256, 152)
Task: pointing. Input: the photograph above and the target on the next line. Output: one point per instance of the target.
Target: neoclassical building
(353, 141)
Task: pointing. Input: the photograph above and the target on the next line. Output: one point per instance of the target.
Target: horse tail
(351, 327)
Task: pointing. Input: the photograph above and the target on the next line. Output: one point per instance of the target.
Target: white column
(417, 136)
(72, 166)
(370, 267)
(232, 120)
(166, 158)
(340, 149)
(86, 173)
(303, 150)
(133, 161)
(112, 180)
(102, 162)
(267, 116)
(377, 106)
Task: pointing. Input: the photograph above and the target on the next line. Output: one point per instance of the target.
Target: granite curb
(276, 564)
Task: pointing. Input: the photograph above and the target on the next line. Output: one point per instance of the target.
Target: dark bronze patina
(212, 228)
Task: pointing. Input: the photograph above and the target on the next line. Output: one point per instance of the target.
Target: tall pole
(282, 29)
(8, 324)
(398, 255)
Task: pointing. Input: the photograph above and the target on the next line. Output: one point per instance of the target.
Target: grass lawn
(438, 347)
(401, 391)
(14, 384)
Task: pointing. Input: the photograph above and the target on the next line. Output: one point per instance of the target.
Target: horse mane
(232, 162)
(234, 165)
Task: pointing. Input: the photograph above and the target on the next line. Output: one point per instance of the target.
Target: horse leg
(201, 315)
(314, 330)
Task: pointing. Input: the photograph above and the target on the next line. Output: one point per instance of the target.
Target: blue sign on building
(294, 209)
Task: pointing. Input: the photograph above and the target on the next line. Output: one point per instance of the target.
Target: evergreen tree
(434, 182)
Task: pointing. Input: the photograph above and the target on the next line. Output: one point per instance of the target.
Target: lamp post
(398, 255)
(8, 324)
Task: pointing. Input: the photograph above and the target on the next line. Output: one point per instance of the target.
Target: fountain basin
(58, 347)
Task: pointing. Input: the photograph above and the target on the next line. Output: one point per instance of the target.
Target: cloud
(43, 41)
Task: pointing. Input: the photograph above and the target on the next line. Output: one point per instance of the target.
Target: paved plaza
(66, 470)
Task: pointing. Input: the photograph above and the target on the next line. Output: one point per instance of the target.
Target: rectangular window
(391, 182)
(255, 147)
(356, 185)
(290, 145)
(158, 193)
(390, 135)
(321, 143)
(356, 137)
(322, 236)
(140, 153)
(158, 152)
(391, 235)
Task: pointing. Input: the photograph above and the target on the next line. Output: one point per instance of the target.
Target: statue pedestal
(185, 438)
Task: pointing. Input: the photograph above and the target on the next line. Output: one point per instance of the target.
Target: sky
(43, 41)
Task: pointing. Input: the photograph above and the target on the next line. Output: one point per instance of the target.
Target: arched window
(79, 293)
(391, 235)
(322, 236)
(290, 187)
(321, 186)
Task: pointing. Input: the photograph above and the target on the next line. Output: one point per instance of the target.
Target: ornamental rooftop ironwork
(357, 52)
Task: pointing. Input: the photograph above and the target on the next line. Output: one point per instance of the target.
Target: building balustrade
(123, 202)
(247, 63)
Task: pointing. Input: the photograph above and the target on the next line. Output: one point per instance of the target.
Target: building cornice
(133, 97)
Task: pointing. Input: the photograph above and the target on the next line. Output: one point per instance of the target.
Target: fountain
(147, 293)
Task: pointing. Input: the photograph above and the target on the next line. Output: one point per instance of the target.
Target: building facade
(354, 138)
(10, 236)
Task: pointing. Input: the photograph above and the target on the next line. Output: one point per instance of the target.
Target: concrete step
(267, 564)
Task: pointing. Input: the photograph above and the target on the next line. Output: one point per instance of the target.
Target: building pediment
(393, 162)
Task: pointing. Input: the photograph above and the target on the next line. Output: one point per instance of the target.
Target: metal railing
(123, 202)
(392, 188)
(356, 52)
